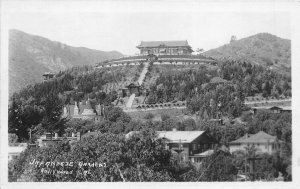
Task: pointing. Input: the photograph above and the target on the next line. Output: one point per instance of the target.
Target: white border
(150, 6)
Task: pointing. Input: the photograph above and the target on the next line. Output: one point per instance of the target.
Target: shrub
(12, 139)
(164, 116)
(149, 116)
(268, 61)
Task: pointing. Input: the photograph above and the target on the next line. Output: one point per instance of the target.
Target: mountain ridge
(32, 55)
(262, 48)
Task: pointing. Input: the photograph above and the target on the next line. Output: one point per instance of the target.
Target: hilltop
(30, 56)
(260, 49)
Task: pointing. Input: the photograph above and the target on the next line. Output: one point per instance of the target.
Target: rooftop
(176, 136)
(273, 107)
(48, 73)
(260, 137)
(17, 149)
(163, 43)
(218, 80)
(205, 154)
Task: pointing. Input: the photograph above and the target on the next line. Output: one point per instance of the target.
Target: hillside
(30, 56)
(263, 49)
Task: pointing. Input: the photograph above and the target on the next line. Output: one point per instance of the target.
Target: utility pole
(252, 167)
(179, 150)
(30, 131)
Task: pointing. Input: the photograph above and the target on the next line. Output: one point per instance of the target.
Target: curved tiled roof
(163, 43)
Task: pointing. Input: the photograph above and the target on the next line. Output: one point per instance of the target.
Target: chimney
(78, 135)
(73, 134)
(174, 129)
(55, 136)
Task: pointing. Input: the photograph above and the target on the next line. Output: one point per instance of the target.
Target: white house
(263, 142)
(15, 151)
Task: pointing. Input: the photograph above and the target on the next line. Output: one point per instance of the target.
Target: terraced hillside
(121, 76)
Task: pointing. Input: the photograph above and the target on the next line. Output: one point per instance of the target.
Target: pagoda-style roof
(163, 43)
(48, 73)
(135, 84)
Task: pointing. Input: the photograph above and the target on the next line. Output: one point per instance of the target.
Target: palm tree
(250, 151)
(246, 158)
(252, 157)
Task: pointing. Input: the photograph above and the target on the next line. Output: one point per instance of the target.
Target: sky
(111, 26)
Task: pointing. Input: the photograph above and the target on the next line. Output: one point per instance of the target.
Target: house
(48, 139)
(198, 157)
(286, 109)
(48, 76)
(218, 80)
(165, 48)
(83, 111)
(185, 144)
(263, 142)
(273, 109)
(15, 151)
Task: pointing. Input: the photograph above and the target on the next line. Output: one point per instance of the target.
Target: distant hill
(263, 49)
(30, 56)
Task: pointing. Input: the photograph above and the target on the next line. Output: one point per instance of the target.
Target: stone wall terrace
(136, 60)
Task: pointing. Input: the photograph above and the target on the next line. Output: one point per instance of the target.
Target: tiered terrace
(161, 59)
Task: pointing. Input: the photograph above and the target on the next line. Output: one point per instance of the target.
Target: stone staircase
(143, 73)
(140, 82)
(130, 101)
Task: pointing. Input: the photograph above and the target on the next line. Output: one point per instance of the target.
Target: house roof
(182, 136)
(175, 136)
(205, 154)
(163, 43)
(48, 73)
(133, 84)
(272, 107)
(260, 137)
(262, 107)
(275, 107)
(218, 80)
(286, 108)
(81, 108)
(16, 149)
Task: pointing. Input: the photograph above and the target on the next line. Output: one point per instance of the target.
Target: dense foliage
(140, 158)
(214, 99)
(37, 109)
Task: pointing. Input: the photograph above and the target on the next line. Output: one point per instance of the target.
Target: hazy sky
(122, 29)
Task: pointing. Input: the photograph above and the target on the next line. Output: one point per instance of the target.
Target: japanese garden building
(165, 48)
